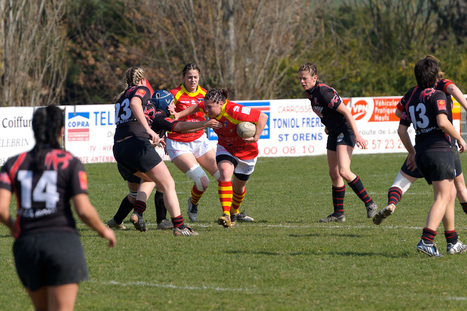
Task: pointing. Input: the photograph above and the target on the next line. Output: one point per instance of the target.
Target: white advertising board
(292, 129)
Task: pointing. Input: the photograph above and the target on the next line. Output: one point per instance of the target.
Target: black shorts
(415, 173)
(224, 157)
(344, 137)
(436, 165)
(457, 160)
(127, 175)
(50, 259)
(136, 154)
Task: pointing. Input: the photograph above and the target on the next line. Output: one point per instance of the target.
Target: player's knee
(346, 174)
(197, 174)
(402, 183)
(217, 175)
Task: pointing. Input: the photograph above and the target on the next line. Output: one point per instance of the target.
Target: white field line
(457, 298)
(146, 284)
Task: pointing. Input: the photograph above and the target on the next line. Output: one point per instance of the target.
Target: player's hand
(109, 235)
(250, 140)
(361, 142)
(173, 113)
(326, 130)
(213, 123)
(411, 164)
(153, 137)
(461, 144)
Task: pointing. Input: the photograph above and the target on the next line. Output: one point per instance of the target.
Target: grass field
(285, 260)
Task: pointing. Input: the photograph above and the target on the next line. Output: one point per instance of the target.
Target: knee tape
(197, 174)
(402, 183)
(133, 194)
(217, 175)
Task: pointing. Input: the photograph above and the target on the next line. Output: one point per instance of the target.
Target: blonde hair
(133, 76)
(310, 68)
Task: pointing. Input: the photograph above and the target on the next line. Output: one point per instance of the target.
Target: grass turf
(285, 260)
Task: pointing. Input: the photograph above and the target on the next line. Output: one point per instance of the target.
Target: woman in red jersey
(235, 156)
(191, 152)
(48, 254)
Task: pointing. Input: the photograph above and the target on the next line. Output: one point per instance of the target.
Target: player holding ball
(235, 156)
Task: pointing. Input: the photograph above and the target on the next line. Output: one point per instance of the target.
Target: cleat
(371, 209)
(243, 217)
(192, 211)
(332, 218)
(383, 214)
(233, 219)
(224, 220)
(457, 248)
(138, 221)
(429, 249)
(164, 225)
(113, 224)
(187, 231)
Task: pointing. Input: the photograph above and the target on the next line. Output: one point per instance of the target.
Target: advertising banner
(292, 129)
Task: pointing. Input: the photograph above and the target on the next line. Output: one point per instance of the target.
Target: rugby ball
(246, 129)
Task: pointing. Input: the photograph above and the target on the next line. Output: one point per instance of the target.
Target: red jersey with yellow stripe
(184, 99)
(231, 115)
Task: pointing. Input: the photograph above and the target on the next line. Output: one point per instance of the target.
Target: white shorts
(197, 147)
(244, 167)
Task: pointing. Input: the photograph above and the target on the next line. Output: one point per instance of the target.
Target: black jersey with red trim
(441, 85)
(162, 123)
(43, 196)
(421, 111)
(324, 102)
(126, 122)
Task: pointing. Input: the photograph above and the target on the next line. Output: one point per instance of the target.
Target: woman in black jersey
(134, 151)
(342, 138)
(49, 257)
(161, 122)
(428, 112)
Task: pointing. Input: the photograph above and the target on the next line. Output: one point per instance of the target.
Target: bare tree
(244, 46)
(32, 51)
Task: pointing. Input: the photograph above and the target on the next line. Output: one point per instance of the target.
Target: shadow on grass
(304, 235)
(321, 253)
(315, 235)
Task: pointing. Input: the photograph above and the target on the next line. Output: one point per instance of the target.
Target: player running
(191, 152)
(236, 157)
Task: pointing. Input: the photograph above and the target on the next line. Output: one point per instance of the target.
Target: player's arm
(137, 109)
(185, 112)
(398, 113)
(88, 214)
(453, 90)
(185, 127)
(446, 125)
(403, 132)
(5, 218)
(260, 125)
(359, 140)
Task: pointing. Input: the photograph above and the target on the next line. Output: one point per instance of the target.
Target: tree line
(76, 52)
